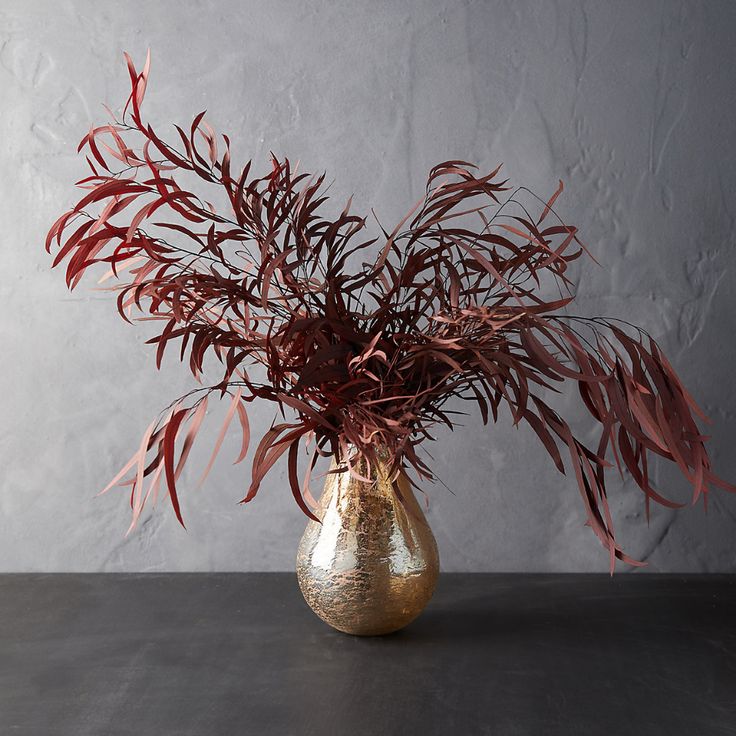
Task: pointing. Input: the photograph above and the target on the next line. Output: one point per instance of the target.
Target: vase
(371, 565)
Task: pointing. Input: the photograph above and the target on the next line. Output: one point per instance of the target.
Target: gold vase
(372, 564)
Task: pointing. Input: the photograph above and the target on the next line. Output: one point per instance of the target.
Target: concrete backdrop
(632, 104)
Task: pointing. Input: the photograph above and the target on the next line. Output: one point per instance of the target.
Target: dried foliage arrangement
(362, 352)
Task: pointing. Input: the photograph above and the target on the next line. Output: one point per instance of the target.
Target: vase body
(372, 564)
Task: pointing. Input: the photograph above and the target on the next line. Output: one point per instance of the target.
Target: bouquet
(364, 339)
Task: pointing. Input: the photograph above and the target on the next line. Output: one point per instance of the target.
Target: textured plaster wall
(632, 104)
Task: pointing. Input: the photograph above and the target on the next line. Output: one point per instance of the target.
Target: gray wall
(632, 104)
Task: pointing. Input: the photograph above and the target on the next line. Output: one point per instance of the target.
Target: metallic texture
(372, 564)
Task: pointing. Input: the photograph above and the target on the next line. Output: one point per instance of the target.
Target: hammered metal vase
(372, 564)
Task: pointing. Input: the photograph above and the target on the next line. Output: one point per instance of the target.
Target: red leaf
(220, 437)
(169, 441)
(294, 480)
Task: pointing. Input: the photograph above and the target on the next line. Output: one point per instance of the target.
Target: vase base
(347, 607)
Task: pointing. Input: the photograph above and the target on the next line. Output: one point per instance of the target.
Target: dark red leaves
(168, 452)
(364, 353)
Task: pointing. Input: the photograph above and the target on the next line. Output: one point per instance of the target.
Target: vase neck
(373, 468)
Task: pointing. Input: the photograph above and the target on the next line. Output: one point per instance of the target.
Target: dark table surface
(222, 654)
